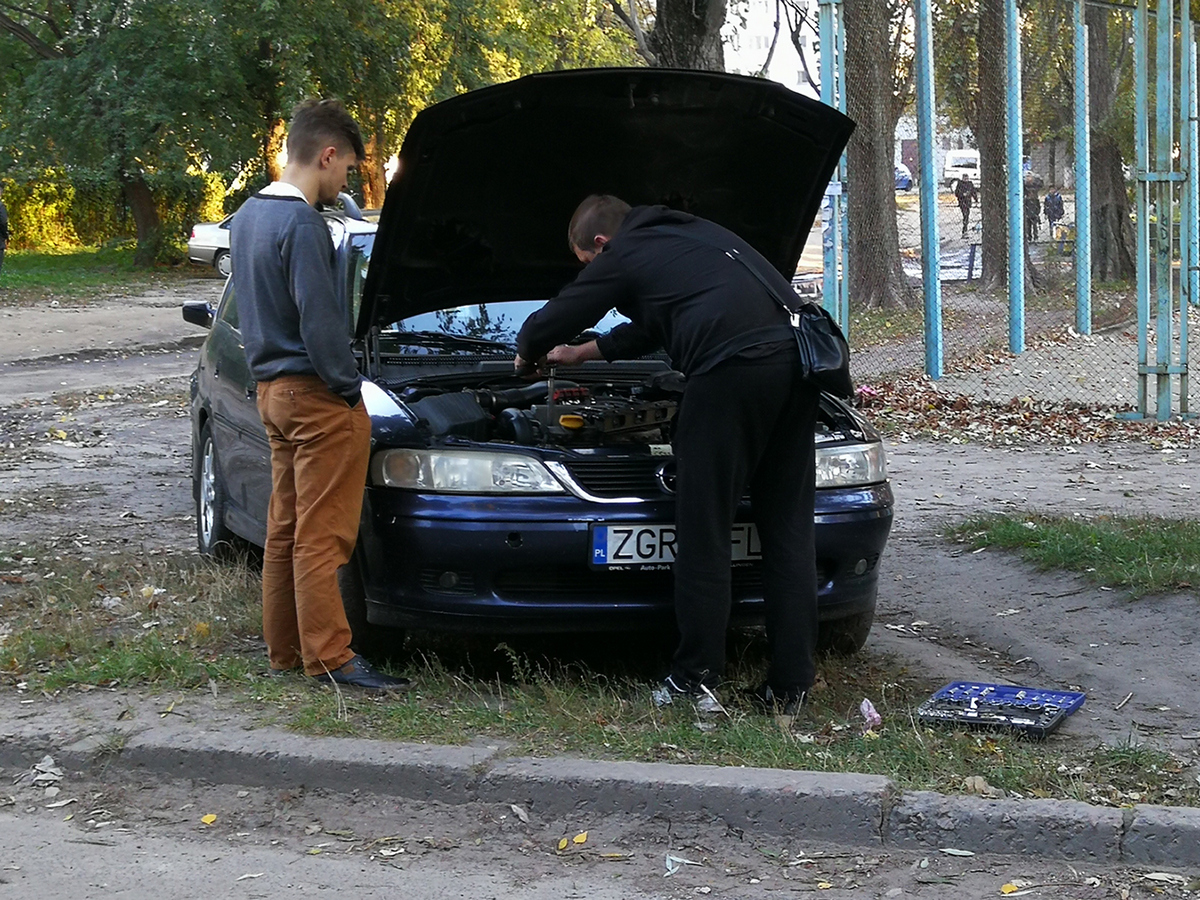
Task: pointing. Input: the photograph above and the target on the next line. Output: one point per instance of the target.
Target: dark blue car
(498, 505)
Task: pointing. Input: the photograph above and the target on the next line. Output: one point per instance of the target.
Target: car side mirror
(198, 312)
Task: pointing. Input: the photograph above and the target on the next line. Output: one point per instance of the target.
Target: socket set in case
(1034, 712)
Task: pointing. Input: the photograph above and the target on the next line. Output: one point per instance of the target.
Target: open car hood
(478, 210)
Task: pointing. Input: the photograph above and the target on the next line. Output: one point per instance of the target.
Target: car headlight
(462, 472)
(848, 465)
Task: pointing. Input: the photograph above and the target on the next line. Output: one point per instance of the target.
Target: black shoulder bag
(824, 353)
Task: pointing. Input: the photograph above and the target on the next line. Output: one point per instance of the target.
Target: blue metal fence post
(1164, 120)
(1141, 143)
(840, 84)
(1013, 139)
(1083, 177)
(931, 263)
(831, 230)
(1187, 188)
(1192, 213)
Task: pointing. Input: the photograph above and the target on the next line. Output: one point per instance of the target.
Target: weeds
(174, 622)
(1145, 555)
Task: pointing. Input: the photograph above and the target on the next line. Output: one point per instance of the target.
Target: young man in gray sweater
(298, 349)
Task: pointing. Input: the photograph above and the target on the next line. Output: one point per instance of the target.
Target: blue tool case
(1034, 712)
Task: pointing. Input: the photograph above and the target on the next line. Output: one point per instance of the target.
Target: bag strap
(734, 254)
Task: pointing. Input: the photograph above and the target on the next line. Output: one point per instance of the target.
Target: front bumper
(520, 564)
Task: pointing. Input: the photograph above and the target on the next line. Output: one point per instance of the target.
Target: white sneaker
(702, 697)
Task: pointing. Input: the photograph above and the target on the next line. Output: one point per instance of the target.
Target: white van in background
(960, 164)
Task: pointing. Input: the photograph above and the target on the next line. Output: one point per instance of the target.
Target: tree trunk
(273, 140)
(876, 275)
(374, 182)
(687, 34)
(1113, 240)
(145, 218)
(993, 196)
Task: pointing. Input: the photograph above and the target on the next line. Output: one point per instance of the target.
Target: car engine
(554, 411)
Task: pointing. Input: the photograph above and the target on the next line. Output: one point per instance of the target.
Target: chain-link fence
(1087, 356)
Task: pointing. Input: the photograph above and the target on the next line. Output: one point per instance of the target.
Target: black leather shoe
(358, 673)
(783, 703)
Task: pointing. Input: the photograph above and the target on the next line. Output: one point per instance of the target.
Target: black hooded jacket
(689, 298)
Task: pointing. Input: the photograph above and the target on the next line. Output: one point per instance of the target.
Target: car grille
(618, 476)
(463, 584)
(565, 582)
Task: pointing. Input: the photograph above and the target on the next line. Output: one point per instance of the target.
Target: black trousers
(746, 422)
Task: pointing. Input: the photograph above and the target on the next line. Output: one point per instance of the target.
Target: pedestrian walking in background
(1052, 206)
(3, 231)
(1033, 214)
(309, 397)
(967, 195)
(680, 281)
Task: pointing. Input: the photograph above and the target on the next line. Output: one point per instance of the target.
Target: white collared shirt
(283, 189)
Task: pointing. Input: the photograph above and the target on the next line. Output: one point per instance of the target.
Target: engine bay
(554, 411)
(582, 412)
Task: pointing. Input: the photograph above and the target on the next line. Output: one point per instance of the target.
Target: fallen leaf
(59, 804)
(519, 812)
(580, 838)
(823, 885)
(562, 844)
(954, 851)
(208, 819)
(1009, 888)
(249, 875)
(1165, 878)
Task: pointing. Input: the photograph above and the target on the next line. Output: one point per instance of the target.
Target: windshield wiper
(443, 339)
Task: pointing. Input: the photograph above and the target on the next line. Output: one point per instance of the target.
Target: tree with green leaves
(113, 90)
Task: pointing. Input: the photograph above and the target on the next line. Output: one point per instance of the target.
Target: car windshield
(495, 322)
(472, 326)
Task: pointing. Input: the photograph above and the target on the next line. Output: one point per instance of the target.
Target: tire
(221, 263)
(375, 642)
(845, 637)
(213, 537)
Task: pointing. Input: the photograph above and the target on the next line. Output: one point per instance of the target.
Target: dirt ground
(94, 444)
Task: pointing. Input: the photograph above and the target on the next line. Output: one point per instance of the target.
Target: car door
(243, 451)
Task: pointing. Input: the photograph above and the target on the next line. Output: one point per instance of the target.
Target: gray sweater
(292, 320)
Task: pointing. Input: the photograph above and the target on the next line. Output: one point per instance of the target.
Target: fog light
(448, 580)
(859, 567)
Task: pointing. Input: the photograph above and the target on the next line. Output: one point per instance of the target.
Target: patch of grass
(72, 619)
(30, 276)
(174, 622)
(1144, 555)
(872, 327)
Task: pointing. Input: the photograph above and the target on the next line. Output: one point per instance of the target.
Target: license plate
(653, 546)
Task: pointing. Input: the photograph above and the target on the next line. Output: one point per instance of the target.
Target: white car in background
(960, 164)
(209, 245)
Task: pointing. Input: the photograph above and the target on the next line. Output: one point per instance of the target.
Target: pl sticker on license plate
(653, 546)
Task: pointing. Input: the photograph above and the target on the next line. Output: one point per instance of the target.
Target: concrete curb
(855, 810)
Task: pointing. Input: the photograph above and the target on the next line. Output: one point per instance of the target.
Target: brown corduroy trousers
(319, 454)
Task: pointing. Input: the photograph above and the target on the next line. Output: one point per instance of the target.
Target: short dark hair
(322, 123)
(598, 214)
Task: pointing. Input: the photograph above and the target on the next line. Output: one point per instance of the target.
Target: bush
(58, 209)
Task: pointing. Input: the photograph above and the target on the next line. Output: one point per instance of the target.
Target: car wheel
(376, 642)
(213, 537)
(221, 263)
(845, 637)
